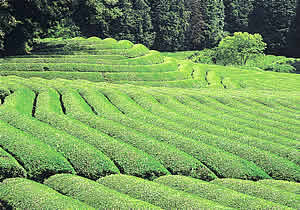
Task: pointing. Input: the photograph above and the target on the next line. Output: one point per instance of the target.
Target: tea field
(106, 124)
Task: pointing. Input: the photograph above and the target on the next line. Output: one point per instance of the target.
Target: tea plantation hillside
(106, 124)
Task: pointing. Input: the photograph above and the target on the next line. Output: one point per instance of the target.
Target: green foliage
(107, 19)
(170, 20)
(216, 193)
(19, 193)
(39, 159)
(93, 193)
(206, 56)
(176, 161)
(156, 194)
(262, 191)
(9, 166)
(237, 14)
(239, 48)
(206, 24)
(292, 187)
(273, 20)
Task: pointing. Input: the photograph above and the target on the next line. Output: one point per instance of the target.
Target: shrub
(206, 56)
(93, 193)
(216, 193)
(292, 187)
(262, 191)
(49, 111)
(9, 166)
(91, 76)
(279, 167)
(168, 65)
(37, 158)
(280, 68)
(86, 160)
(174, 160)
(19, 193)
(221, 163)
(136, 51)
(156, 194)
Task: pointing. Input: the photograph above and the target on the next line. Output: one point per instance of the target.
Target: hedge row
(200, 75)
(213, 80)
(252, 114)
(9, 166)
(225, 117)
(177, 162)
(292, 187)
(146, 76)
(93, 193)
(195, 119)
(262, 191)
(272, 164)
(258, 111)
(20, 193)
(168, 65)
(37, 158)
(221, 163)
(90, 76)
(189, 83)
(78, 46)
(85, 159)
(143, 165)
(153, 57)
(156, 194)
(217, 109)
(66, 57)
(217, 193)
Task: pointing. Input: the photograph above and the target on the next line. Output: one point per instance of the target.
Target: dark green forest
(166, 25)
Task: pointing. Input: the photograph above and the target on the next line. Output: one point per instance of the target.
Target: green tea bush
(86, 160)
(93, 193)
(143, 165)
(9, 166)
(144, 106)
(188, 83)
(20, 193)
(221, 163)
(168, 65)
(146, 76)
(261, 191)
(292, 187)
(37, 158)
(213, 80)
(177, 162)
(136, 51)
(90, 76)
(156, 194)
(217, 193)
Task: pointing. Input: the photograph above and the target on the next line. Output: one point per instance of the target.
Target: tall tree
(206, 23)
(120, 19)
(170, 21)
(273, 20)
(26, 19)
(237, 14)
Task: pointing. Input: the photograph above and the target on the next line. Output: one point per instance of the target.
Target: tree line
(166, 25)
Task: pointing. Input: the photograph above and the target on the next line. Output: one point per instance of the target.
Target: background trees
(166, 25)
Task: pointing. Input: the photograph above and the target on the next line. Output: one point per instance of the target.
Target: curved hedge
(168, 65)
(156, 194)
(219, 194)
(278, 167)
(9, 166)
(49, 110)
(223, 164)
(86, 159)
(93, 193)
(292, 187)
(177, 162)
(19, 193)
(261, 191)
(90, 76)
(38, 159)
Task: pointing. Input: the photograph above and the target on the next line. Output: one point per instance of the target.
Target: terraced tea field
(91, 123)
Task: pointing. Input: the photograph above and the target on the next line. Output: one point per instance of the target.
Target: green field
(107, 124)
